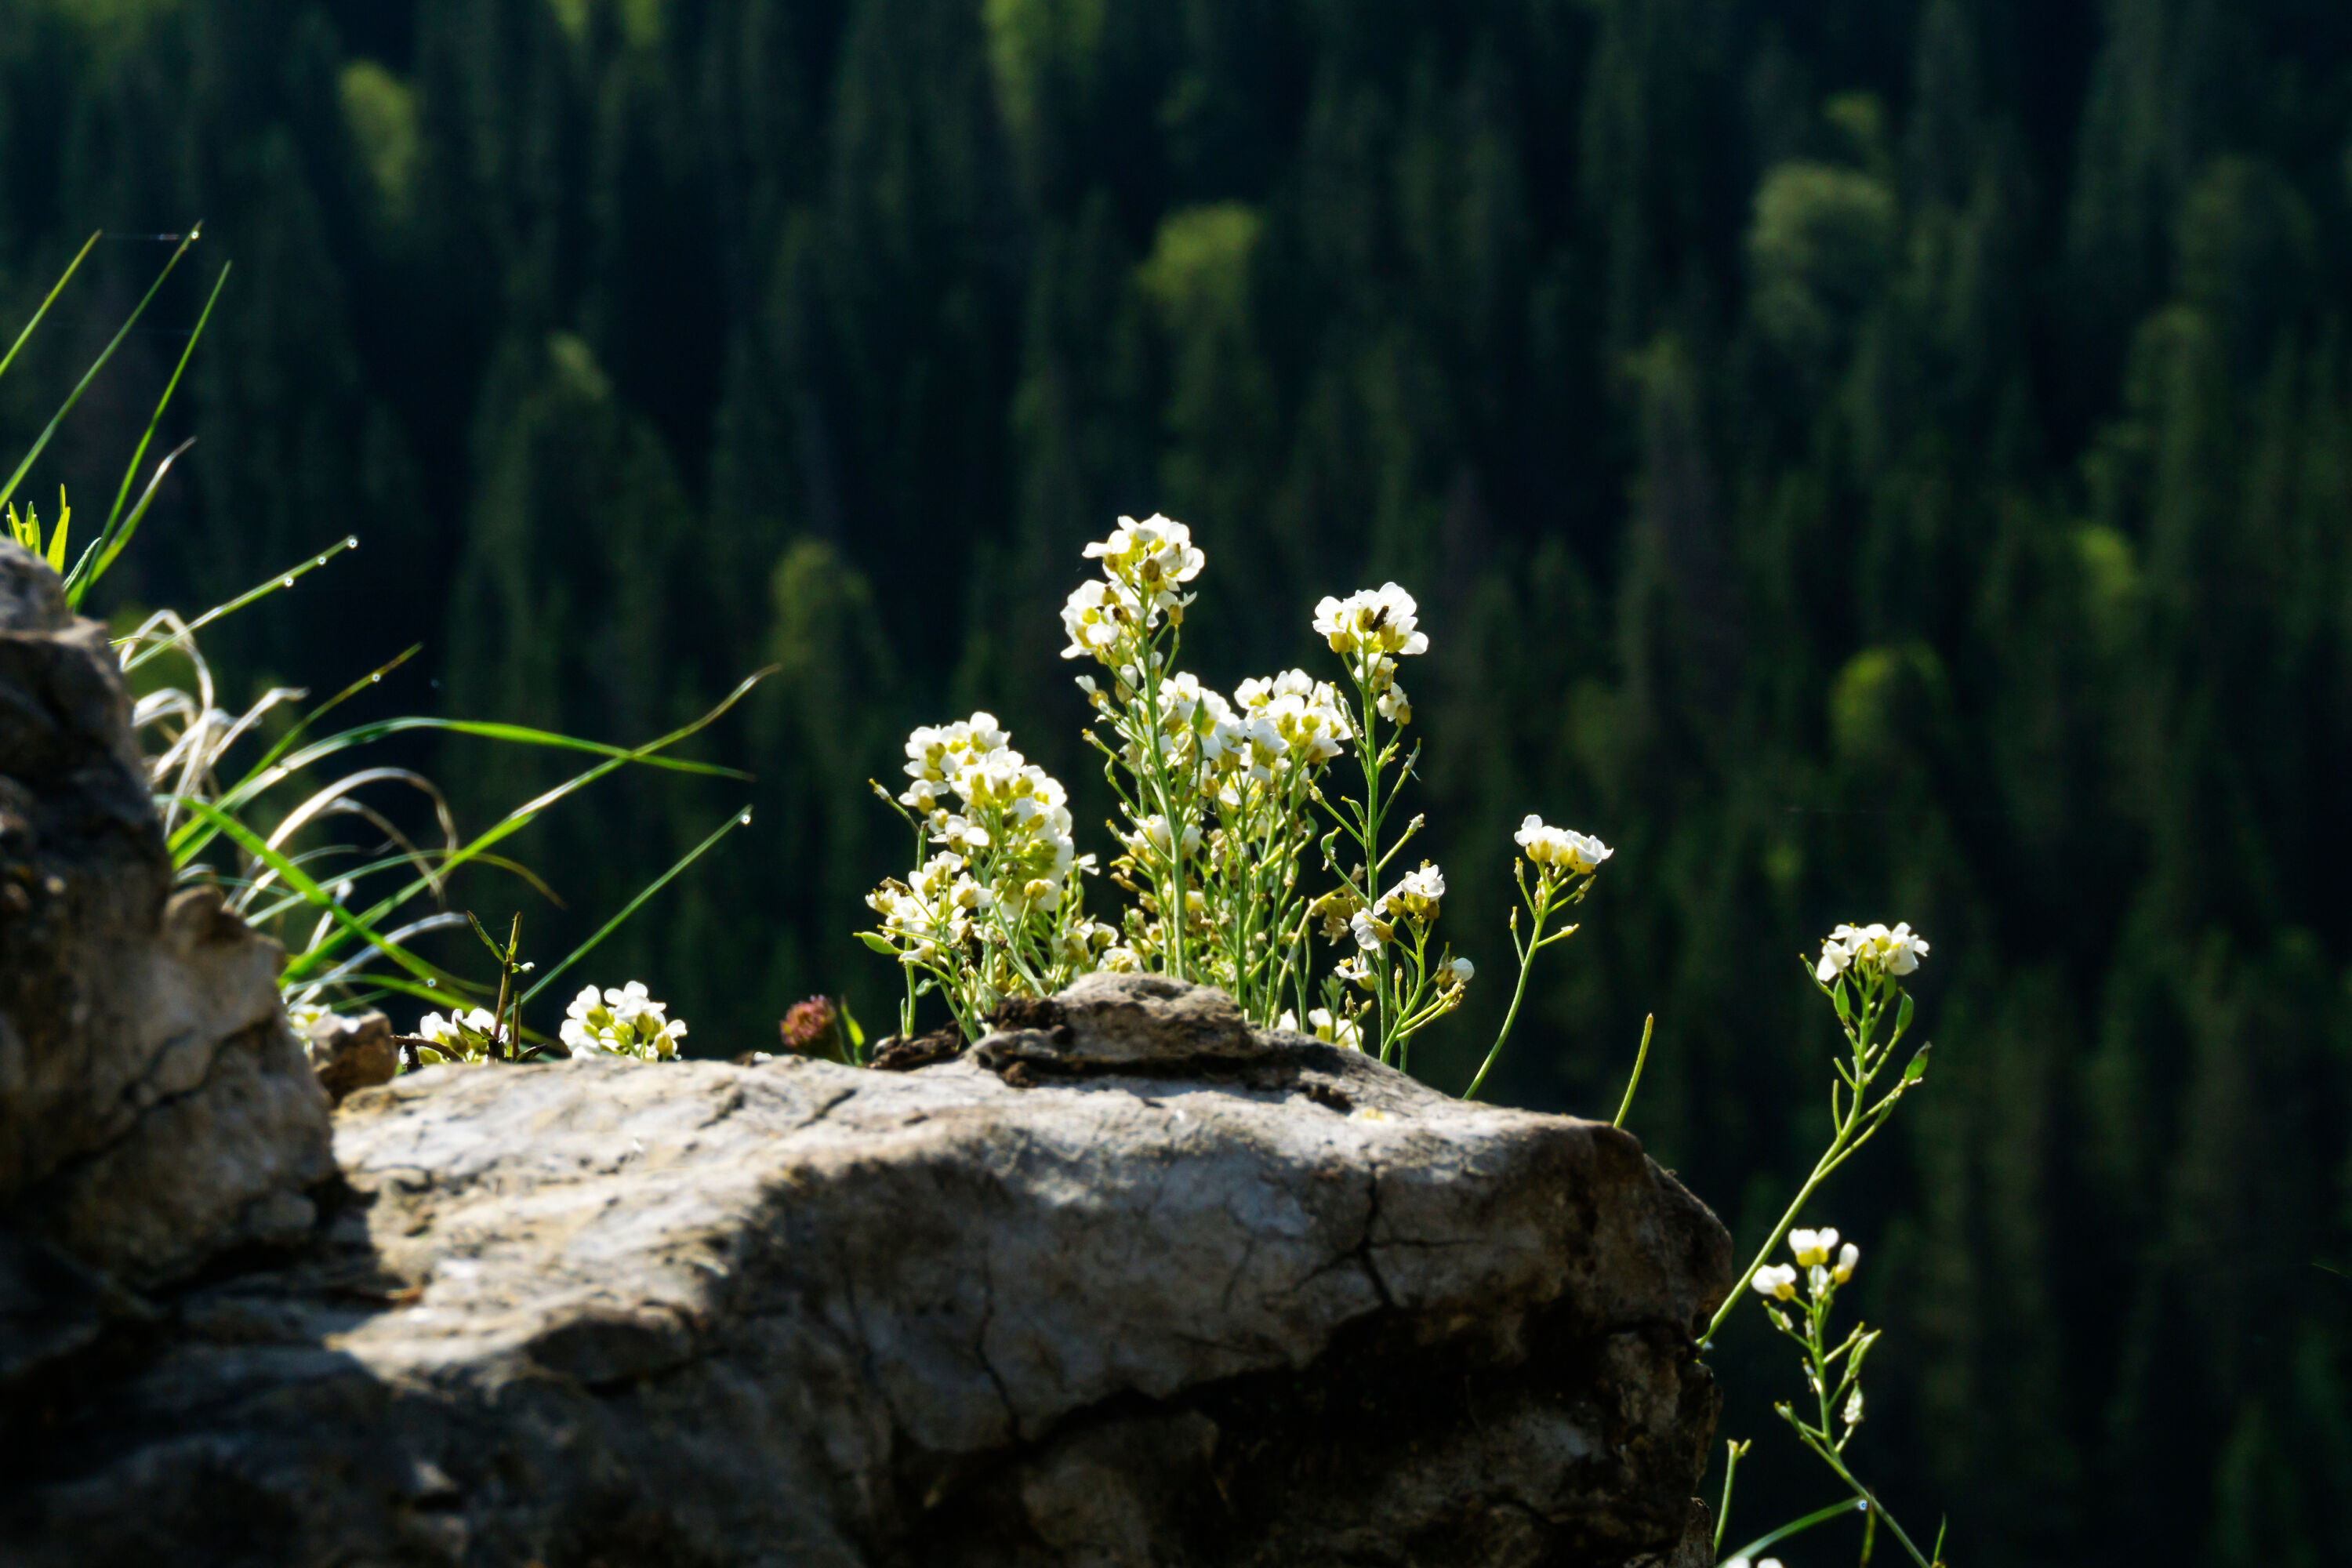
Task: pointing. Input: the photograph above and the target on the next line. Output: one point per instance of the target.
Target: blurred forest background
(1863, 458)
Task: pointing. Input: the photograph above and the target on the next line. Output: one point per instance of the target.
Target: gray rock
(1272, 1305)
(154, 1111)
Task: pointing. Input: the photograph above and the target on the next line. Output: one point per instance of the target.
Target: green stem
(1540, 907)
(1869, 1499)
(1641, 1059)
(1732, 1455)
(1841, 1145)
(1172, 911)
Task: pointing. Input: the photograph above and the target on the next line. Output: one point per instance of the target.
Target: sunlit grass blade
(294, 877)
(30, 327)
(524, 814)
(284, 742)
(446, 920)
(514, 734)
(284, 579)
(735, 820)
(79, 582)
(9, 491)
(1794, 1527)
(116, 533)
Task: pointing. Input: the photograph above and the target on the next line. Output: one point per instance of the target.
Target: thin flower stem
(1869, 1499)
(1734, 1452)
(1850, 1134)
(1173, 911)
(1641, 1060)
(1540, 907)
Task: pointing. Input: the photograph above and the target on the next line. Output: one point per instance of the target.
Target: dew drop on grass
(321, 560)
(744, 820)
(286, 582)
(373, 678)
(431, 984)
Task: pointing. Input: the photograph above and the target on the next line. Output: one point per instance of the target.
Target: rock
(1274, 1305)
(350, 1054)
(1106, 1022)
(154, 1109)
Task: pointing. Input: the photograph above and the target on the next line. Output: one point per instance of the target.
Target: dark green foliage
(1865, 461)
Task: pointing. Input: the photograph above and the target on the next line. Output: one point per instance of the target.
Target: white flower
(1355, 971)
(1416, 895)
(1848, 1257)
(1898, 952)
(1853, 1407)
(1813, 1246)
(1393, 705)
(1575, 853)
(1099, 618)
(1343, 1032)
(1122, 960)
(621, 1022)
(1149, 841)
(1776, 1281)
(1875, 949)
(1153, 557)
(1370, 932)
(461, 1037)
(1377, 621)
(1457, 972)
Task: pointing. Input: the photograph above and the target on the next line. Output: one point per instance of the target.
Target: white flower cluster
(1015, 813)
(1561, 849)
(1372, 628)
(1813, 1251)
(459, 1037)
(1292, 715)
(1336, 1031)
(1871, 952)
(1145, 567)
(1759, 1563)
(622, 1023)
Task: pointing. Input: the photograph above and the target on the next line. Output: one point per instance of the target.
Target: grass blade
(294, 877)
(80, 257)
(284, 579)
(524, 814)
(78, 584)
(1795, 1527)
(9, 491)
(514, 734)
(735, 820)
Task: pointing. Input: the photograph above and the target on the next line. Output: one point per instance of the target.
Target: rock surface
(1228, 1300)
(154, 1109)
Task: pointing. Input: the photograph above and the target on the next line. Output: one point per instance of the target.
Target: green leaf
(1916, 1068)
(1903, 1016)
